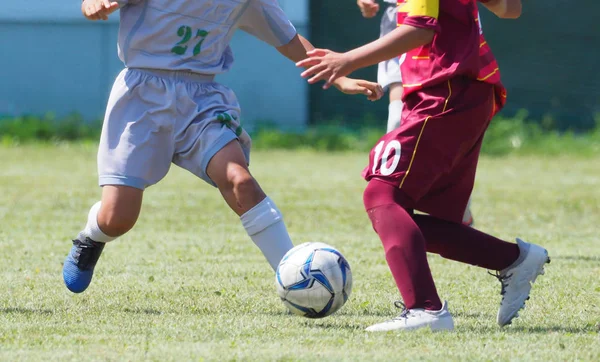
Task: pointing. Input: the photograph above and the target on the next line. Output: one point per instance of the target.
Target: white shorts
(155, 118)
(388, 71)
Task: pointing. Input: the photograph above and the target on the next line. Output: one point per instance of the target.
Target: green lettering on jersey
(185, 33)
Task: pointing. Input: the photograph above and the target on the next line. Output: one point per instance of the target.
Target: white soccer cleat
(411, 319)
(517, 280)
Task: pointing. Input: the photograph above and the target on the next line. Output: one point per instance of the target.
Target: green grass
(188, 284)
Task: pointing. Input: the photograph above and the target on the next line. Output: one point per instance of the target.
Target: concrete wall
(53, 60)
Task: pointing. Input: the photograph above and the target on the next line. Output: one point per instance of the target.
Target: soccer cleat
(78, 268)
(411, 319)
(517, 279)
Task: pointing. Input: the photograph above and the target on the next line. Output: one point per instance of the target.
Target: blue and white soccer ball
(314, 280)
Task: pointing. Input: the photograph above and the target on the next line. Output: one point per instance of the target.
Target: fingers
(114, 6)
(376, 89)
(332, 78)
(312, 71)
(372, 90)
(90, 13)
(322, 75)
(309, 62)
(369, 10)
(99, 9)
(318, 52)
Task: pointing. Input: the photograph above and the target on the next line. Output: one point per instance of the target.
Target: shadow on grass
(147, 311)
(530, 329)
(591, 258)
(471, 315)
(334, 325)
(26, 311)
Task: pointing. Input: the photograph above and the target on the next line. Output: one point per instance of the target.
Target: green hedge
(47, 128)
(514, 135)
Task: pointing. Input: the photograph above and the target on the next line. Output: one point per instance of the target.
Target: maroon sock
(404, 246)
(465, 244)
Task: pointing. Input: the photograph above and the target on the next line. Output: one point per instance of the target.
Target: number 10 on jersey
(382, 153)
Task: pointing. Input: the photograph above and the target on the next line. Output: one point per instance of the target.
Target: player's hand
(368, 8)
(324, 64)
(98, 9)
(372, 90)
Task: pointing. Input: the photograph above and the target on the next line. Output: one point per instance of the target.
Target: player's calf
(258, 213)
(113, 217)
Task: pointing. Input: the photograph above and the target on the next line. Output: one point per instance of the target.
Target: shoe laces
(504, 279)
(404, 313)
(89, 252)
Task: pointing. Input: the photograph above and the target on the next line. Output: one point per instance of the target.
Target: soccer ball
(313, 280)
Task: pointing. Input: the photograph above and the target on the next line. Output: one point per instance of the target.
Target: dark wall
(549, 59)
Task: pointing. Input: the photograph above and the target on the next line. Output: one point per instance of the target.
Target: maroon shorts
(433, 155)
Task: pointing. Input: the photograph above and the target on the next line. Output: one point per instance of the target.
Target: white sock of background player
(394, 115)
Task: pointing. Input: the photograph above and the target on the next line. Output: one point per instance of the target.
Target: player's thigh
(449, 195)
(214, 138)
(228, 166)
(434, 137)
(136, 145)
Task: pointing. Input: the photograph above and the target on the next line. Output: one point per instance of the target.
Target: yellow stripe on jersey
(430, 8)
(489, 75)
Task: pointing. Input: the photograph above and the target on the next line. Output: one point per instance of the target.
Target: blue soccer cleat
(79, 265)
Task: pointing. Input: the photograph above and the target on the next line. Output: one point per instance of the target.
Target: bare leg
(260, 217)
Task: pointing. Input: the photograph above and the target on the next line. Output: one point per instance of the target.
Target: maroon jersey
(458, 47)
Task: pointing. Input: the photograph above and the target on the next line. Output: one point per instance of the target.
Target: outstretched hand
(327, 65)
(372, 90)
(368, 8)
(98, 9)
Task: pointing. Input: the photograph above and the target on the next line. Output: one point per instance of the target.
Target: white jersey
(393, 2)
(194, 35)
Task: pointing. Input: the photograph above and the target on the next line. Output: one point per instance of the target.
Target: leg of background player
(112, 217)
(395, 107)
(260, 217)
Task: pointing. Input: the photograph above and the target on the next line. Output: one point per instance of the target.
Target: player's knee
(115, 222)
(378, 193)
(243, 184)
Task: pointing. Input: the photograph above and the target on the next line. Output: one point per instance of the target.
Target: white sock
(394, 115)
(264, 224)
(92, 230)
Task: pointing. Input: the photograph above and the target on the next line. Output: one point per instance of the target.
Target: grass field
(188, 284)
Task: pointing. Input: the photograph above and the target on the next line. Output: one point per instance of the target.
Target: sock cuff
(92, 229)
(523, 251)
(261, 216)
